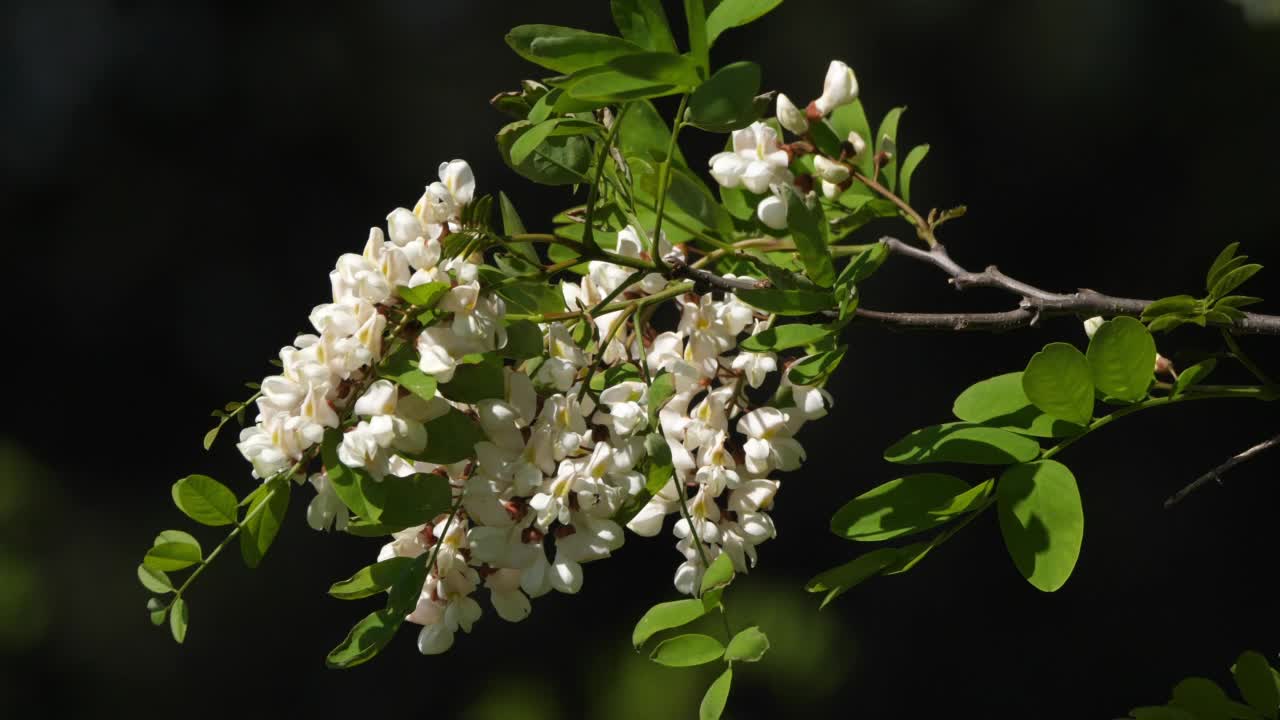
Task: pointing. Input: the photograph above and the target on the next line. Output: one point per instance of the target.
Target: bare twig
(1035, 302)
(702, 277)
(1215, 475)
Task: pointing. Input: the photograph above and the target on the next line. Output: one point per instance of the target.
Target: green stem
(617, 323)
(664, 177)
(593, 193)
(672, 291)
(922, 228)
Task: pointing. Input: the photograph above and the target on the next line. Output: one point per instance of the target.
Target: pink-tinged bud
(791, 117)
(1164, 366)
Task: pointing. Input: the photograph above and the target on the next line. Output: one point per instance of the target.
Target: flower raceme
(607, 425)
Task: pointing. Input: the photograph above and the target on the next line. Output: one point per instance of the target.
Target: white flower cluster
(538, 496)
(759, 164)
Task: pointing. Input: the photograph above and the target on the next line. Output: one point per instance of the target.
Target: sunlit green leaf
(260, 528)
(726, 101)
(909, 165)
(962, 443)
(371, 580)
(644, 23)
(1059, 381)
(170, 556)
(450, 438)
(718, 574)
(747, 646)
(1042, 521)
(899, 507)
(785, 337)
(566, 49)
(179, 617)
(1001, 402)
(665, 616)
(838, 580)
(1122, 356)
(736, 13)
(365, 640)
(205, 500)
(716, 697)
(809, 230)
(789, 302)
(687, 651)
(154, 580)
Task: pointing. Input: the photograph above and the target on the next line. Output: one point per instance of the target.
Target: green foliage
(475, 382)
(726, 101)
(1042, 521)
(205, 500)
(172, 550)
(717, 697)
(566, 50)
(179, 616)
(718, 575)
(157, 581)
(644, 23)
(1001, 402)
(750, 645)
(735, 13)
(815, 369)
(1122, 357)
(1228, 272)
(557, 160)
(695, 15)
(909, 165)
(1193, 375)
(454, 435)
(839, 580)
(810, 231)
(904, 506)
(886, 142)
(962, 443)
(789, 302)
(666, 616)
(371, 580)
(365, 640)
(1200, 698)
(263, 520)
(785, 337)
(1059, 381)
(687, 650)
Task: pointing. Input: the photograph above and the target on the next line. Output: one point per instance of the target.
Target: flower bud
(839, 88)
(791, 117)
(830, 191)
(1092, 324)
(829, 170)
(772, 211)
(857, 143)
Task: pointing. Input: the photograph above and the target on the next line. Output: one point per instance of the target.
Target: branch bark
(1217, 473)
(1034, 303)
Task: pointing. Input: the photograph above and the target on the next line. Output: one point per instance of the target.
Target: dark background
(179, 178)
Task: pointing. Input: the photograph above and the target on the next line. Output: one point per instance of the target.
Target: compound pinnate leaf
(1001, 402)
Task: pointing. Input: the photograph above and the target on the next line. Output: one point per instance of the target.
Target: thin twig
(1215, 475)
(702, 277)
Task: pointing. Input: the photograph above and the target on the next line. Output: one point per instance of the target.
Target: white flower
(355, 276)
(444, 199)
(772, 210)
(756, 161)
(830, 191)
(791, 117)
(1092, 324)
(830, 170)
(839, 88)
(379, 399)
(628, 409)
(387, 259)
(755, 366)
(326, 511)
(504, 592)
(564, 359)
(769, 443)
(648, 522)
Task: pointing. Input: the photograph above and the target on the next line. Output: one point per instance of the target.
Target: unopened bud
(839, 88)
(830, 170)
(857, 144)
(1164, 366)
(791, 117)
(772, 211)
(830, 190)
(1092, 324)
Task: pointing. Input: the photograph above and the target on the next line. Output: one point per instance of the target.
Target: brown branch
(1216, 474)
(704, 278)
(956, 322)
(1035, 302)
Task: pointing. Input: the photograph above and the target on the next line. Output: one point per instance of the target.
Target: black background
(179, 178)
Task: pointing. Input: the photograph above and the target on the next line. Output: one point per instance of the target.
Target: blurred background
(178, 179)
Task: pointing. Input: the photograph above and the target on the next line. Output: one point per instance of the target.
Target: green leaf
(524, 340)
(1257, 683)
(695, 15)
(1001, 402)
(170, 556)
(566, 50)
(838, 580)
(176, 536)
(1222, 264)
(736, 13)
(603, 85)
(472, 383)
(863, 266)
(531, 298)
(644, 23)
(660, 391)
(826, 140)
(962, 443)
(747, 646)
(424, 296)
(785, 337)
(645, 134)
(665, 616)
(909, 165)
(1193, 375)
(179, 616)
(799, 301)
(158, 611)
(529, 141)
(205, 500)
(1233, 279)
(1059, 381)
(371, 580)
(1204, 699)
(414, 500)
(418, 383)
(727, 100)
(451, 438)
(1122, 357)
(155, 580)
(719, 574)
(889, 129)
(814, 369)
(562, 160)
(687, 650)
(513, 225)
(810, 232)
(1176, 304)
(899, 507)
(1042, 521)
(259, 530)
(717, 696)
(351, 485)
(365, 640)
(660, 68)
